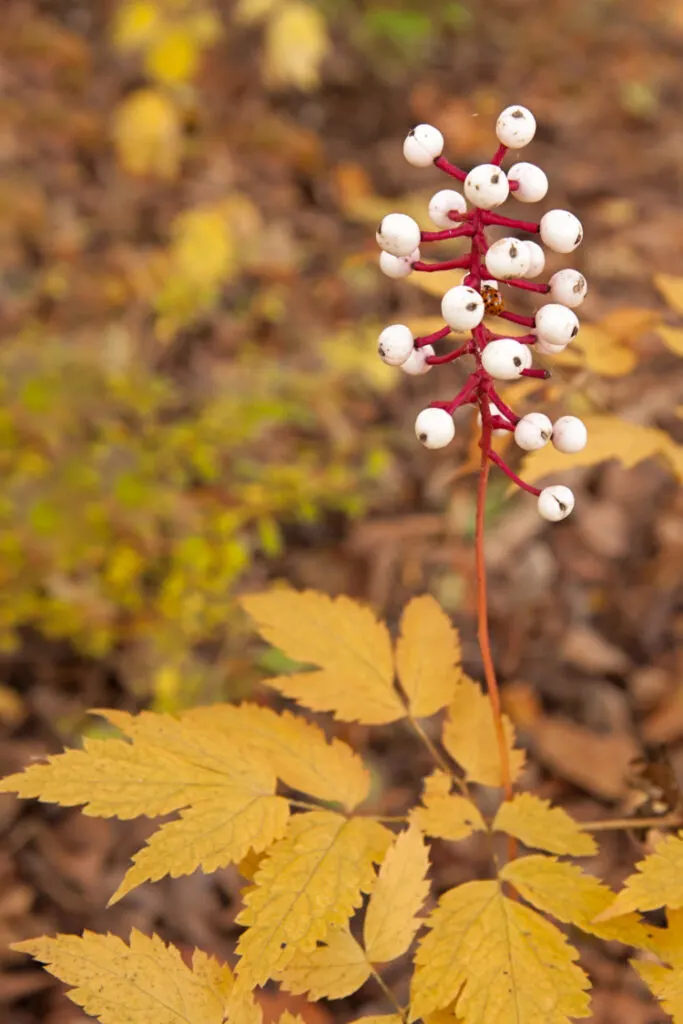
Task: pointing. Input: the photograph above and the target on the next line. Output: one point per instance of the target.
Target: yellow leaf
(500, 961)
(427, 653)
(437, 284)
(609, 437)
(352, 352)
(445, 814)
(604, 353)
(145, 981)
(296, 44)
(241, 1006)
(381, 1018)
(248, 11)
(536, 823)
(666, 984)
(563, 890)
(135, 24)
(148, 134)
(173, 57)
(332, 971)
(469, 736)
(353, 650)
(226, 801)
(672, 338)
(391, 918)
(311, 881)
(658, 881)
(671, 289)
(298, 751)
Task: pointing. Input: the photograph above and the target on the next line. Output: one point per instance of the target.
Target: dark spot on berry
(579, 238)
(381, 350)
(545, 435)
(411, 133)
(379, 227)
(517, 113)
(514, 251)
(422, 437)
(563, 507)
(517, 361)
(575, 332)
(471, 306)
(495, 178)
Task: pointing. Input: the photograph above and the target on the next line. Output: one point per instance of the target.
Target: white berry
(416, 363)
(533, 182)
(444, 202)
(561, 231)
(486, 186)
(568, 287)
(536, 258)
(434, 428)
(397, 266)
(570, 435)
(547, 348)
(506, 258)
(395, 344)
(422, 145)
(556, 324)
(533, 431)
(516, 127)
(555, 503)
(462, 308)
(495, 411)
(505, 358)
(398, 234)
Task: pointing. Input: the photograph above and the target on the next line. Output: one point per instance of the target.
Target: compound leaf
(658, 881)
(469, 736)
(427, 655)
(536, 823)
(444, 814)
(310, 882)
(500, 961)
(356, 676)
(391, 919)
(563, 890)
(298, 751)
(331, 971)
(144, 981)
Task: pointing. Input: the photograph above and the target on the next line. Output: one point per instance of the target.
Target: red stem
(509, 222)
(440, 236)
(517, 318)
(496, 459)
(499, 155)
(427, 339)
(528, 286)
(449, 357)
(426, 268)
(444, 165)
(538, 374)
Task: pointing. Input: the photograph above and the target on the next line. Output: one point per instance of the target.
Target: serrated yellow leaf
(332, 971)
(144, 981)
(609, 437)
(564, 891)
(298, 751)
(536, 823)
(226, 798)
(291, 1018)
(469, 736)
(241, 1006)
(499, 959)
(671, 290)
(428, 656)
(148, 134)
(604, 353)
(444, 814)
(672, 338)
(173, 57)
(391, 919)
(353, 650)
(134, 24)
(382, 1018)
(658, 881)
(666, 984)
(311, 881)
(296, 43)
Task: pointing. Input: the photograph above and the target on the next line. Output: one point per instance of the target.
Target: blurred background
(192, 404)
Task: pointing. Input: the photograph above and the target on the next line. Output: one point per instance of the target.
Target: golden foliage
(356, 676)
(536, 823)
(666, 979)
(296, 44)
(671, 289)
(391, 919)
(148, 134)
(311, 881)
(145, 981)
(332, 970)
(658, 881)
(427, 653)
(499, 961)
(444, 814)
(469, 736)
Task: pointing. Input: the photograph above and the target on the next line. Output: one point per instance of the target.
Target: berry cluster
(512, 261)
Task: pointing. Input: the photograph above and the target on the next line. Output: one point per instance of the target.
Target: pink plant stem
(502, 407)
(523, 339)
(427, 268)
(499, 423)
(517, 318)
(449, 357)
(491, 219)
(538, 374)
(466, 395)
(496, 459)
(499, 155)
(427, 339)
(441, 236)
(444, 165)
(528, 286)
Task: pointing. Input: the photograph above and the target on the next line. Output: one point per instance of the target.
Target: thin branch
(499, 156)
(528, 286)
(426, 268)
(496, 219)
(449, 357)
(608, 824)
(464, 231)
(517, 318)
(445, 165)
(427, 339)
(497, 461)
